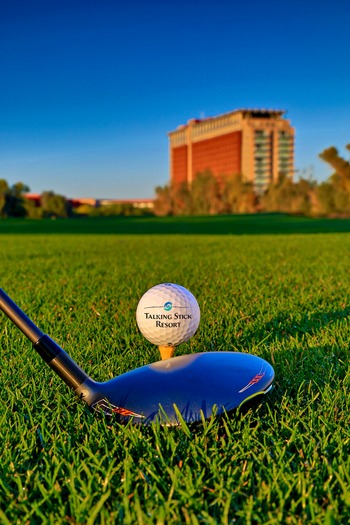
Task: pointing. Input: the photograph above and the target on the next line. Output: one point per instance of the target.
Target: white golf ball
(168, 314)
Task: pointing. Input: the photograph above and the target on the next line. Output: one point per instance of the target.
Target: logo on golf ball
(168, 306)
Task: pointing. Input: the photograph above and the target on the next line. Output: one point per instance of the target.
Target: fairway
(280, 295)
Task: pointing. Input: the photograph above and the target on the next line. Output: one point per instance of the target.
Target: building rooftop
(246, 112)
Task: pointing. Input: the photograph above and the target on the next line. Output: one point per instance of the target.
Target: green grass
(273, 223)
(283, 297)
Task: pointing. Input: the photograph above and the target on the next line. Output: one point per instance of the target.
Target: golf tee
(166, 351)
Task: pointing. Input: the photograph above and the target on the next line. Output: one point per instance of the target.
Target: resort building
(257, 143)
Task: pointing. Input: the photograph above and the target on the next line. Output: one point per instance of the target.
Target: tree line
(13, 203)
(207, 195)
(232, 194)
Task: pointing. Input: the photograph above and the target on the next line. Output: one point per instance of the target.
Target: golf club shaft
(46, 347)
(19, 318)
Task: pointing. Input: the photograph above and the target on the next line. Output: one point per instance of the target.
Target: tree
(334, 195)
(278, 195)
(325, 199)
(163, 204)
(84, 209)
(14, 200)
(341, 167)
(288, 196)
(114, 209)
(3, 192)
(181, 199)
(205, 194)
(304, 200)
(238, 196)
(54, 205)
(32, 210)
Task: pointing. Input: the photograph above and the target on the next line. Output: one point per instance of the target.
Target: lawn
(262, 288)
(264, 223)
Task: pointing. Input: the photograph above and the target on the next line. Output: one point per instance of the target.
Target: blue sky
(89, 89)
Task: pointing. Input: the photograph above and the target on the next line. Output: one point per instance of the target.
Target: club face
(189, 387)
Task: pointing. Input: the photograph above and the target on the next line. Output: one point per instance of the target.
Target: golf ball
(168, 314)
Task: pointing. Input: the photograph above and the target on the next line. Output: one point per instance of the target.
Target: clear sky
(90, 88)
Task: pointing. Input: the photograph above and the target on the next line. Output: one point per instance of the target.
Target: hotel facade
(257, 143)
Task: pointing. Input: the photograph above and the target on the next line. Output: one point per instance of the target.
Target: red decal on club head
(252, 382)
(125, 412)
(108, 409)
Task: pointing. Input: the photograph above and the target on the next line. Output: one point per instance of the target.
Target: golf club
(189, 387)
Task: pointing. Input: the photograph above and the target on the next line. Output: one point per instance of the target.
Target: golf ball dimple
(168, 314)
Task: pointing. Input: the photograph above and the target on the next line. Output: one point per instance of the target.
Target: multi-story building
(257, 143)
